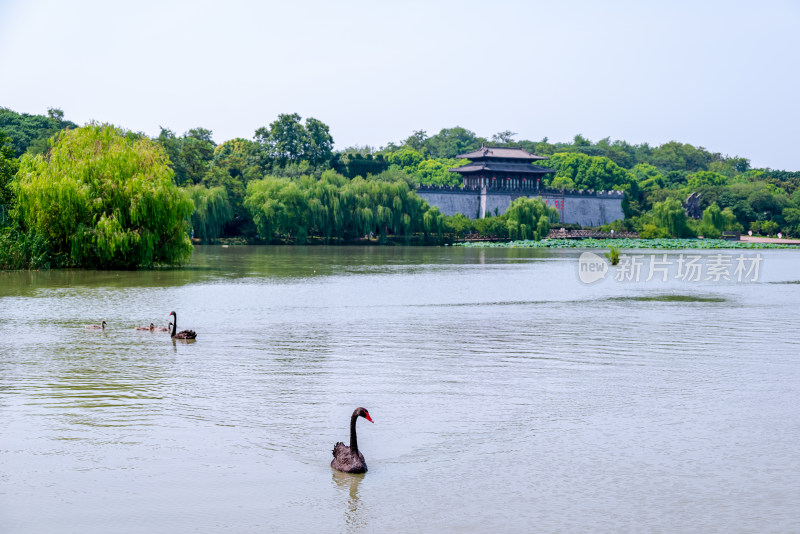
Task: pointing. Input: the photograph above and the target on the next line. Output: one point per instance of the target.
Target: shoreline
(782, 241)
(642, 244)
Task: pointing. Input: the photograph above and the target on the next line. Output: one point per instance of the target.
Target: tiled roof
(491, 166)
(501, 152)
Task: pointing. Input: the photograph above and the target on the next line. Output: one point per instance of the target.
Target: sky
(718, 74)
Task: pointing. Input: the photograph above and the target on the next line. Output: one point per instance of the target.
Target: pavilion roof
(491, 166)
(501, 152)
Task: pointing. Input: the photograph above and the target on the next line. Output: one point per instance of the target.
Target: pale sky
(719, 74)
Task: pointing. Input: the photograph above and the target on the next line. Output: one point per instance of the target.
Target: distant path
(561, 233)
(752, 239)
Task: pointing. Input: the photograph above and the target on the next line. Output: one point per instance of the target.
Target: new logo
(591, 268)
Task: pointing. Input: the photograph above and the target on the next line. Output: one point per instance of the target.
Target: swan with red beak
(349, 459)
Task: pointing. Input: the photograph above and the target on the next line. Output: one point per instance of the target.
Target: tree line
(287, 184)
(657, 180)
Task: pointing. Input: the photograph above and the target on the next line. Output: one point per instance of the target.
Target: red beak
(367, 417)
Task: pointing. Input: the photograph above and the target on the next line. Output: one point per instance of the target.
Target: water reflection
(348, 482)
(613, 400)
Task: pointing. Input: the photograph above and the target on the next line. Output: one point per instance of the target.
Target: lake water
(507, 395)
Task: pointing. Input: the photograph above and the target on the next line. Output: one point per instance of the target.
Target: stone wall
(453, 200)
(587, 208)
(592, 210)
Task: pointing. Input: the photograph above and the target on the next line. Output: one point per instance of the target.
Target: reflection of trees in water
(84, 284)
(354, 519)
(98, 386)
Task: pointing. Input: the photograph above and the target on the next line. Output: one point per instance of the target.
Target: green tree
(395, 174)
(730, 222)
(236, 157)
(434, 222)
(713, 223)
(172, 146)
(416, 141)
(212, 211)
(8, 169)
(405, 157)
(542, 148)
(459, 224)
(589, 172)
(702, 178)
(450, 142)
(674, 156)
(529, 218)
(670, 216)
(561, 182)
(651, 231)
(32, 132)
(318, 149)
(765, 199)
(190, 156)
(505, 137)
(285, 138)
(197, 151)
(437, 172)
(288, 141)
(791, 217)
(363, 165)
(730, 167)
(648, 177)
(334, 207)
(581, 141)
(769, 228)
(234, 165)
(619, 152)
(104, 199)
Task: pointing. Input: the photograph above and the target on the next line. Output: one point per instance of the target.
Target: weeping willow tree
(715, 221)
(103, 198)
(433, 222)
(212, 211)
(335, 207)
(529, 218)
(670, 216)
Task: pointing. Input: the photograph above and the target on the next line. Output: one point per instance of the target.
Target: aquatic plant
(613, 255)
(625, 243)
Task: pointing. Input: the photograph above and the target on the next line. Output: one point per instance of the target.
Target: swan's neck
(353, 439)
(174, 324)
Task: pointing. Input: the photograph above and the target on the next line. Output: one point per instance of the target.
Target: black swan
(101, 326)
(183, 334)
(150, 328)
(349, 459)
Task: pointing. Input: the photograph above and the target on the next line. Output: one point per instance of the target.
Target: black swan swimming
(183, 334)
(101, 326)
(349, 459)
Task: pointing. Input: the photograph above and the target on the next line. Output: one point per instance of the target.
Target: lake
(507, 394)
